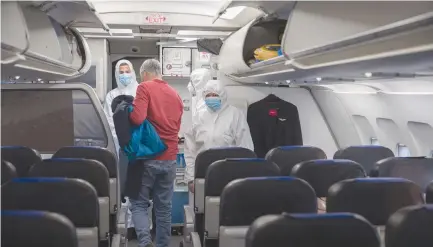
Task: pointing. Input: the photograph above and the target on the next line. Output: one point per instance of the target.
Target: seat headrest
(91, 171)
(262, 196)
(21, 157)
(322, 174)
(366, 155)
(74, 198)
(103, 155)
(8, 171)
(374, 198)
(207, 157)
(287, 157)
(416, 169)
(307, 230)
(221, 172)
(429, 193)
(40, 228)
(410, 226)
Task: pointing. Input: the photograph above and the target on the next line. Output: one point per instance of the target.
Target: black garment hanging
(273, 122)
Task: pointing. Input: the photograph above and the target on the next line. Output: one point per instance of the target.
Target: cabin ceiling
(168, 20)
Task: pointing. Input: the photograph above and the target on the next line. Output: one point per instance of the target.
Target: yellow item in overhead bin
(266, 52)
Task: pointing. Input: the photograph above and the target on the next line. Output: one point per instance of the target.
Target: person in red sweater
(159, 103)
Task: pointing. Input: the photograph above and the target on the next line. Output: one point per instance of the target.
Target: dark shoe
(131, 233)
(149, 245)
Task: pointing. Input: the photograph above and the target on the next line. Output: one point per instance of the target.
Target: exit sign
(155, 19)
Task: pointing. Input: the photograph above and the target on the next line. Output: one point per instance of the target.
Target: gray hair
(152, 66)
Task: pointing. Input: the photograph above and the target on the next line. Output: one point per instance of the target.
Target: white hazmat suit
(226, 127)
(123, 88)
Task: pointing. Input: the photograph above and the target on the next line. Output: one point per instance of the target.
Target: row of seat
(78, 182)
(321, 174)
(410, 226)
(228, 215)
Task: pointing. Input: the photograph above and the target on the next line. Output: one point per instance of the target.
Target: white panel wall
(401, 112)
(314, 129)
(100, 58)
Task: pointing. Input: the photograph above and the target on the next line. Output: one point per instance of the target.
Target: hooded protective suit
(124, 87)
(199, 78)
(226, 127)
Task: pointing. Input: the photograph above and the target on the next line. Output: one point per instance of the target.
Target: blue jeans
(158, 178)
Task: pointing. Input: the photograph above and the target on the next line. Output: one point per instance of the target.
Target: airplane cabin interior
(337, 98)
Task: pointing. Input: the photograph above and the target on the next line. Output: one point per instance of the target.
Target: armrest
(115, 241)
(189, 214)
(195, 238)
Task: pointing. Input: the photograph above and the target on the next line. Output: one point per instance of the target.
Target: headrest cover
(262, 196)
(206, 158)
(410, 226)
(429, 193)
(366, 156)
(21, 157)
(416, 169)
(322, 174)
(374, 198)
(221, 172)
(287, 157)
(107, 158)
(40, 228)
(336, 230)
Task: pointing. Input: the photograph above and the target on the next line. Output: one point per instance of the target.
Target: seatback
(74, 198)
(322, 174)
(366, 156)
(222, 172)
(287, 157)
(204, 160)
(91, 171)
(307, 230)
(21, 157)
(429, 193)
(410, 226)
(376, 199)
(37, 228)
(416, 169)
(245, 200)
(107, 158)
(8, 171)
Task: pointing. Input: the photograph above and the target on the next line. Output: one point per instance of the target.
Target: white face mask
(191, 89)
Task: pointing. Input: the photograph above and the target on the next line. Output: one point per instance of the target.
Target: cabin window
(402, 150)
(374, 141)
(47, 120)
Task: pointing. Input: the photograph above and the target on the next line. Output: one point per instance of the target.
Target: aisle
(175, 240)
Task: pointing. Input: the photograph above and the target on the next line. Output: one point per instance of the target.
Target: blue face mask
(214, 103)
(125, 79)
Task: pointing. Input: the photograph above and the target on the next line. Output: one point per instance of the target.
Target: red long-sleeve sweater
(161, 105)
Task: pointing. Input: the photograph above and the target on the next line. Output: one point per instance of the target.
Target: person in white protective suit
(126, 85)
(217, 125)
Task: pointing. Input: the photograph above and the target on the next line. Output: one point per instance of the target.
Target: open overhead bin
(320, 38)
(255, 49)
(37, 47)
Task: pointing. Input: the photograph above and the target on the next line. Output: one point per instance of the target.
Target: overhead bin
(240, 50)
(36, 47)
(330, 33)
(321, 38)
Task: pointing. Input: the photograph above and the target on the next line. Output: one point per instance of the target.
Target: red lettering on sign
(155, 18)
